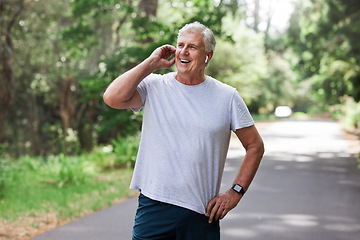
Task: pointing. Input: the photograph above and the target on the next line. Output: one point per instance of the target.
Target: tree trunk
(34, 125)
(9, 12)
(148, 8)
(67, 103)
(86, 115)
(268, 24)
(256, 15)
(6, 86)
(8, 18)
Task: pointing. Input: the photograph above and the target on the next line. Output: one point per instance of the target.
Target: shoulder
(154, 78)
(221, 87)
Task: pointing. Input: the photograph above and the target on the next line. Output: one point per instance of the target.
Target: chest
(192, 110)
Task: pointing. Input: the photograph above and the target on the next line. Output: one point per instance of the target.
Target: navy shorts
(158, 220)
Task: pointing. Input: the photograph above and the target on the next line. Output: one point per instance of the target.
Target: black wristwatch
(239, 189)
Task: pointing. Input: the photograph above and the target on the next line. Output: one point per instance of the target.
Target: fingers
(220, 205)
(216, 209)
(212, 210)
(164, 63)
(167, 51)
(223, 214)
(170, 48)
(161, 57)
(210, 206)
(171, 62)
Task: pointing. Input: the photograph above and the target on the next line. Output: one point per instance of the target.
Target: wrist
(150, 65)
(238, 189)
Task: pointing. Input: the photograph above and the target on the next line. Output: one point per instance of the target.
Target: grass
(31, 193)
(62, 188)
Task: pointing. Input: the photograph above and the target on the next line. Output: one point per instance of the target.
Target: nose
(184, 51)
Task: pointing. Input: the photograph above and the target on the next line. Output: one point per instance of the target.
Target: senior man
(187, 122)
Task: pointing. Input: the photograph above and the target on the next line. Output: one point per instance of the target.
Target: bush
(348, 112)
(63, 170)
(125, 149)
(4, 169)
(103, 157)
(66, 185)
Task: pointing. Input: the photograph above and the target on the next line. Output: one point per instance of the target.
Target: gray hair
(209, 38)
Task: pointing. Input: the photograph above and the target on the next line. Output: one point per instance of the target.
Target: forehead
(192, 37)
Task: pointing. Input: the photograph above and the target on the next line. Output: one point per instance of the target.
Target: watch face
(237, 188)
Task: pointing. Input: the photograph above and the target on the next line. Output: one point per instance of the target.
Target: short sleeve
(142, 90)
(240, 115)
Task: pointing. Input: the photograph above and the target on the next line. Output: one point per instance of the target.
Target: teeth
(184, 61)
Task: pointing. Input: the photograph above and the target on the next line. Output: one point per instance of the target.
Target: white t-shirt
(185, 138)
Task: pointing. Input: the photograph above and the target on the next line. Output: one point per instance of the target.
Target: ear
(208, 57)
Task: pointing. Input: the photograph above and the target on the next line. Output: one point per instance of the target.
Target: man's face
(190, 53)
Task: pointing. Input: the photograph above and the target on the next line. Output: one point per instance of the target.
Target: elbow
(114, 101)
(262, 148)
(259, 149)
(110, 100)
(107, 99)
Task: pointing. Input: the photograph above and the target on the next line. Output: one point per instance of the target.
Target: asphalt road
(307, 187)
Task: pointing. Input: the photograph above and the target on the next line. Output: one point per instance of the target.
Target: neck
(190, 80)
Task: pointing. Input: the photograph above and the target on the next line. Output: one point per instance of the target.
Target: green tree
(10, 12)
(67, 52)
(327, 46)
(241, 63)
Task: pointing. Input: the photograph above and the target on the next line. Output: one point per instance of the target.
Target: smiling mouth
(184, 61)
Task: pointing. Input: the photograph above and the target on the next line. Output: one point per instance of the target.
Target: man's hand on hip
(220, 205)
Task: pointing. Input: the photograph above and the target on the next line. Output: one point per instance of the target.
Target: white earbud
(207, 57)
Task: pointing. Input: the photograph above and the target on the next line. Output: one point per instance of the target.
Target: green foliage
(314, 67)
(348, 112)
(92, 42)
(114, 122)
(103, 157)
(59, 142)
(263, 117)
(81, 33)
(4, 170)
(300, 116)
(68, 185)
(241, 63)
(64, 170)
(279, 87)
(30, 190)
(327, 44)
(125, 150)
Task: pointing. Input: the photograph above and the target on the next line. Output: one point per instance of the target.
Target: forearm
(124, 86)
(121, 92)
(250, 165)
(221, 204)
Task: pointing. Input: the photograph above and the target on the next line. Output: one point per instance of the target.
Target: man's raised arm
(122, 94)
